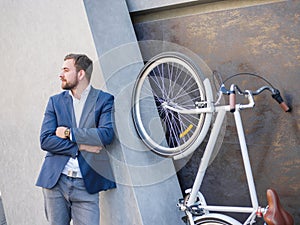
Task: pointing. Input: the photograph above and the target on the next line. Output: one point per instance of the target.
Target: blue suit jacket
(95, 128)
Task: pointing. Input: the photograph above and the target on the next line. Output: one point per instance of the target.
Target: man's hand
(90, 148)
(60, 132)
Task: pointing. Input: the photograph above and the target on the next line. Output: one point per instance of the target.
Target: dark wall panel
(263, 39)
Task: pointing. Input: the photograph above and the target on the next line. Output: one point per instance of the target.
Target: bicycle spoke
(168, 81)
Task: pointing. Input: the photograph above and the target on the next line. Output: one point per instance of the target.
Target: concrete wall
(35, 36)
(142, 177)
(244, 36)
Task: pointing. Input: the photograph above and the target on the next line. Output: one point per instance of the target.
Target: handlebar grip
(279, 99)
(285, 107)
(232, 100)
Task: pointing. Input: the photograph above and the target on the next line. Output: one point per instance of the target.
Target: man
(77, 126)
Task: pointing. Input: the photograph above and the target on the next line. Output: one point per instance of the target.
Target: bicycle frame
(175, 84)
(221, 112)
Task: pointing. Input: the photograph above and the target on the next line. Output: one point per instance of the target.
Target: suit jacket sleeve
(102, 133)
(49, 141)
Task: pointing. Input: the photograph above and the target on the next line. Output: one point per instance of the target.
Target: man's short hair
(82, 62)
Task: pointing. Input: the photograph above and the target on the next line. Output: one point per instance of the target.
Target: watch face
(67, 132)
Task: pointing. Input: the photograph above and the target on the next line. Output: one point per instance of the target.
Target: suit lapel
(88, 106)
(69, 110)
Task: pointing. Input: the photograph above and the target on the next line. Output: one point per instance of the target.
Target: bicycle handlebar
(232, 95)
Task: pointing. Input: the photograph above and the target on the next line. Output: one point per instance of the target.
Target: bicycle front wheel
(168, 79)
(211, 221)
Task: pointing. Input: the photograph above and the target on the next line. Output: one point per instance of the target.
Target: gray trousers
(69, 200)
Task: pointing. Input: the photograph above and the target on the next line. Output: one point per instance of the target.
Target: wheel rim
(172, 81)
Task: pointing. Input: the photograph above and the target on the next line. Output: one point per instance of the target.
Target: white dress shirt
(78, 104)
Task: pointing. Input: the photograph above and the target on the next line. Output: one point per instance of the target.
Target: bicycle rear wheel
(173, 79)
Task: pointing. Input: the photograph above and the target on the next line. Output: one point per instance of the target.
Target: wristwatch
(67, 132)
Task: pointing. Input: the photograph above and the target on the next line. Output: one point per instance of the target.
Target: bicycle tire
(211, 221)
(170, 78)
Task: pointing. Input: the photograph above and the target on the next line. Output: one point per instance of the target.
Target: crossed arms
(91, 139)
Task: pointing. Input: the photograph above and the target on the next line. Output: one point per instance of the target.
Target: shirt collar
(84, 94)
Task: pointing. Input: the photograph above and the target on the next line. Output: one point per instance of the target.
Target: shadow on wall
(2, 214)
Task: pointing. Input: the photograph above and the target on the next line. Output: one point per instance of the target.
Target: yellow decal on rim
(186, 131)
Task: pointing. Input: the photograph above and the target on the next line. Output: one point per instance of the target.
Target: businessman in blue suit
(77, 126)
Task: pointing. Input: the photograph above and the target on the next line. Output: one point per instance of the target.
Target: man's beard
(69, 85)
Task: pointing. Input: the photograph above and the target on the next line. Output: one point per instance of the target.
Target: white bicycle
(172, 111)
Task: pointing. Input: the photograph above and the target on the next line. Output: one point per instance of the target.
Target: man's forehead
(69, 63)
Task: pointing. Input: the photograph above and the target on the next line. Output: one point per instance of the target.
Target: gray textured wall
(232, 37)
(35, 36)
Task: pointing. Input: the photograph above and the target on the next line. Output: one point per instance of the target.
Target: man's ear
(81, 74)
